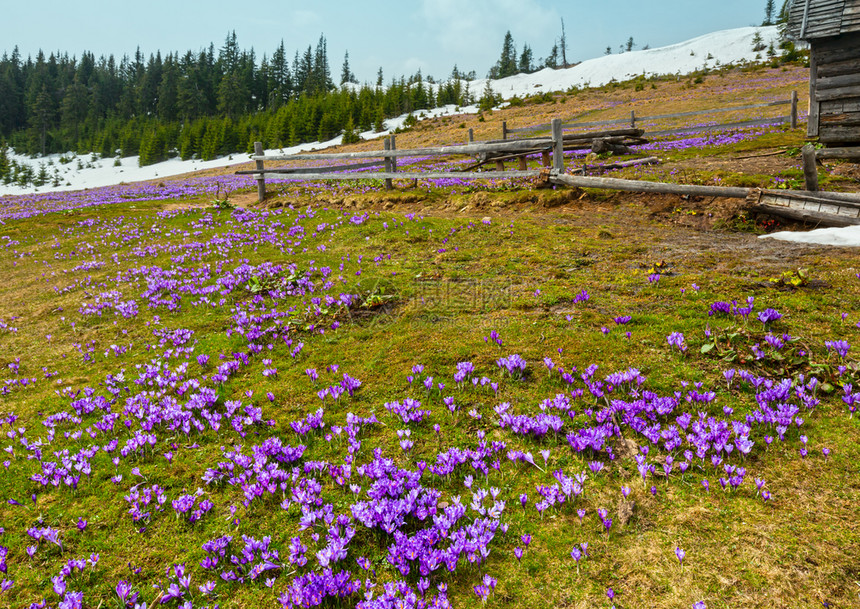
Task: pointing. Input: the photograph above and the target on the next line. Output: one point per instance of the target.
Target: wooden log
(415, 175)
(833, 82)
(651, 187)
(810, 169)
(504, 130)
(838, 134)
(843, 51)
(500, 165)
(386, 144)
(632, 119)
(393, 139)
(301, 170)
(836, 93)
(471, 135)
(599, 146)
(261, 180)
(838, 153)
(836, 68)
(544, 158)
(806, 216)
(557, 136)
(793, 110)
(467, 150)
(523, 166)
(651, 160)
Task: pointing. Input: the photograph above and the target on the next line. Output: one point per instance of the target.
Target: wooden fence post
(504, 130)
(544, 158)
(810, 171)
(261, 177)
(633, 119)
(471, 135)
(794, 109)
(394, 158)
(557, 146)
(523, 163)
(386, 145)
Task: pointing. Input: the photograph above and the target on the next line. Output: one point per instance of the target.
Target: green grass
(740, 551)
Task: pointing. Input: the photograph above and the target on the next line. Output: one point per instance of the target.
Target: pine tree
(231, 96)
(769, 9)
(345, 74)
(608, 50)
(526, 60)
(629, 44)
(279, 79)
(4, 162)
(43, 113)
(379, 80)
(350, 135)
(507, 65)
(74, 108)
(489, 98)
(563, 46)
(168, 90)
(552, 60)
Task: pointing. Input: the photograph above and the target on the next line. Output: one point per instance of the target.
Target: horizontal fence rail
(632, 119)
(554, 145)
(551, 149)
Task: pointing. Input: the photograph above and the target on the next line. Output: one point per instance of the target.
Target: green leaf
(707, 347)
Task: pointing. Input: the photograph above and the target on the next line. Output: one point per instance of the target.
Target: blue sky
(400, 36)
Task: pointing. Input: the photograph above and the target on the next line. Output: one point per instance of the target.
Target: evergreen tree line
(511, 63)
(206, 104)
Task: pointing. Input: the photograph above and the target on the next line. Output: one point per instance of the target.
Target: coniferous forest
(202, 104)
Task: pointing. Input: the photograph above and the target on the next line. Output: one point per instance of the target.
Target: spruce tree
(552, 59)
(4, 162)
(507, 65)
(346, 74)
(563, 46)
(526, 60)
(769, 9)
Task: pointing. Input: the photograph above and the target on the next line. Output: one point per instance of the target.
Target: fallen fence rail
(828, 208)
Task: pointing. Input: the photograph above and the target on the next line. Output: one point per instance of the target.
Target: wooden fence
(553, 145)
(791, 118)
(551, 149)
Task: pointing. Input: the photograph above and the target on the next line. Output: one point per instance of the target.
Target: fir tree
(4, 162)
(526, 61)
(769, 9)
(629, 44)
(552, 59)
(489, 98)
(346, 74)
(350, 135)
(507, 65)
(563, 46)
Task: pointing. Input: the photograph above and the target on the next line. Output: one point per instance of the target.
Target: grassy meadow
(504, 375)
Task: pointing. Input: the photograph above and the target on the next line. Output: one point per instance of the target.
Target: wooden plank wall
(836, 78)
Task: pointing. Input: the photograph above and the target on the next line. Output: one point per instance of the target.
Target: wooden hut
(832, 30)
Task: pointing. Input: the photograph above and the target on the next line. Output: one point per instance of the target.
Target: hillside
(710, 51)
(440, 395)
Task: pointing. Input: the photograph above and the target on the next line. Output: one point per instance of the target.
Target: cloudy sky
(399, 36)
